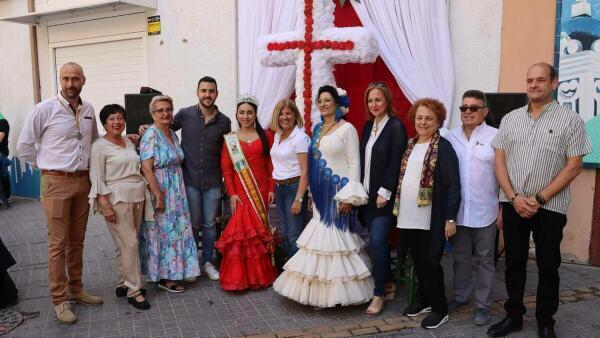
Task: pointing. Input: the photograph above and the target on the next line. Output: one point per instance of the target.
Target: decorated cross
(314, 50)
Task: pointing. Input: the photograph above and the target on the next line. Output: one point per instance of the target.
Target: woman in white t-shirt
(426, 205)
(289, 155)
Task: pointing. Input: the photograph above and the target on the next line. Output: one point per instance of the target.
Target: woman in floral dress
(167, 248)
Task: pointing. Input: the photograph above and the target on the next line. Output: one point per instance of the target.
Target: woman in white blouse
(118, 192)
(427, 202)
(382, 145)
(289, 155)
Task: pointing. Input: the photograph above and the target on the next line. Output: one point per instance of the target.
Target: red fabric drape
(355, 78)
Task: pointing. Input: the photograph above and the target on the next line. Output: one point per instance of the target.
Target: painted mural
(579, 66)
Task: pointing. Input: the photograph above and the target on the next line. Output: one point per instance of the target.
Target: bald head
(71, 66)
(71, 81)
(551, 72)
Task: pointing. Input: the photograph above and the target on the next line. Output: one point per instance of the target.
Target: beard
(71, 93)
(210, 105)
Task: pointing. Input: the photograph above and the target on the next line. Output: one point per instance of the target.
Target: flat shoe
(143, 305)
(122, 291)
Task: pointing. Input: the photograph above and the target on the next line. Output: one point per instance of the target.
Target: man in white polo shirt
(475, 237)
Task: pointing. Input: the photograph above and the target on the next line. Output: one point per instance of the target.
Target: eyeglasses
(163, 110)
(319, 102)
(472, 109)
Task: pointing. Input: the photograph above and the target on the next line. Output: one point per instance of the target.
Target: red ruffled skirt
(246, 262)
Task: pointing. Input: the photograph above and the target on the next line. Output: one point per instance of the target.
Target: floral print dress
(167, 246)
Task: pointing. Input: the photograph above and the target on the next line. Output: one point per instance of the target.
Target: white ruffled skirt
(330, 268)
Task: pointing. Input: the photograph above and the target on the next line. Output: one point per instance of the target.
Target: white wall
(475, 28)
(16, 86)
(186, 50)
(189, 48)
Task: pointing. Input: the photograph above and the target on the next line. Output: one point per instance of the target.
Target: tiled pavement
(204, 310)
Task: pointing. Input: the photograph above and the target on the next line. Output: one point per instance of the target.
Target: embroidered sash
(242, 168)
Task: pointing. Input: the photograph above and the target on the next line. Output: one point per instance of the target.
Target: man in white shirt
(476, 232)
(56, 137)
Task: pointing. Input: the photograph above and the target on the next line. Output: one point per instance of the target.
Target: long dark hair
(259, 129)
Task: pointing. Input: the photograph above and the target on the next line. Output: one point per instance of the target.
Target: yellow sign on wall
(154, 25)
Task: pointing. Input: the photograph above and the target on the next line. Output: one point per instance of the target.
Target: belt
(65, 173)
(288, 181)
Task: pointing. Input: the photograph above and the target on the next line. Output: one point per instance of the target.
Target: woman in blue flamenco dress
(331, 266)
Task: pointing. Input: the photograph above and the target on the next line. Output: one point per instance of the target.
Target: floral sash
(427, 173)
(245, 174)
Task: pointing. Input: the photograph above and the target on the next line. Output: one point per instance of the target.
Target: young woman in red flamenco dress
(246, 243)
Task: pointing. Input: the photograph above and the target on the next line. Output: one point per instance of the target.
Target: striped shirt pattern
(537, 149)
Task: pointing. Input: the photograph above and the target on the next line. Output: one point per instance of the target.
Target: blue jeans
(379, 234)
(204, 206)
(291, 225)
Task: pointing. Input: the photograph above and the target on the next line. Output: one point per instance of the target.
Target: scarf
(427, 173)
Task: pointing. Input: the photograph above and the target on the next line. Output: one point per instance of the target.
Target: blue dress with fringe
(331, 267)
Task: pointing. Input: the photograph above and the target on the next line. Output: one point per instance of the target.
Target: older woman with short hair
(289, 155)
(118, 193)
(167, 247)
(426, 205)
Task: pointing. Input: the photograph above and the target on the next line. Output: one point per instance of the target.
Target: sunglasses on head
(377, 84)
(472, 109)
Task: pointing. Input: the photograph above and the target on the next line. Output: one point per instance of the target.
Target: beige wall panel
(527, 37)
(575, 245)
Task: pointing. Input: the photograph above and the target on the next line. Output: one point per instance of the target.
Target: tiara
(247, 98)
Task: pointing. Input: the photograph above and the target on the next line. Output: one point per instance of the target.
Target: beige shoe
(64, 313)
(85, 298)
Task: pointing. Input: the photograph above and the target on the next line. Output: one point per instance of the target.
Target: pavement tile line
(205, 310)
(398, 324)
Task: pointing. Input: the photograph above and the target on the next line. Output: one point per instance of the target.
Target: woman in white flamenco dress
(331, 266)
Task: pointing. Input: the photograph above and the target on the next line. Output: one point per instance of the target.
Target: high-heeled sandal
(376, 312)
(390, 291)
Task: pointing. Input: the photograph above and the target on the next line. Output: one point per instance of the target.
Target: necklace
(324, 131)
(247, 138)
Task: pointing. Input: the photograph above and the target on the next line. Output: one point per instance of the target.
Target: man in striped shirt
(538, 152)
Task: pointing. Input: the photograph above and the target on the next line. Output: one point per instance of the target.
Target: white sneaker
(210, 271)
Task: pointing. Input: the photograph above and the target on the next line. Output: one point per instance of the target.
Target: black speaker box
(501, 104)
(138, 111)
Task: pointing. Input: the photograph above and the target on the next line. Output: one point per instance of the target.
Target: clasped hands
(526, 207)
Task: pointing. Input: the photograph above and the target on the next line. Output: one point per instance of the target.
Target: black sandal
(172, 288)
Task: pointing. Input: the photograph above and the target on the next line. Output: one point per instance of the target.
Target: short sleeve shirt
(537, 149)
(284, 154)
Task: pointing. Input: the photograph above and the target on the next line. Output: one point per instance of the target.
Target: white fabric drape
(414, 42)
(268, 84)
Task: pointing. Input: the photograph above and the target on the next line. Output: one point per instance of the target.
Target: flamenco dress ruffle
(246, 262)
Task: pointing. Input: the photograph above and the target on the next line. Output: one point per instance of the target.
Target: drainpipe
(35, 64)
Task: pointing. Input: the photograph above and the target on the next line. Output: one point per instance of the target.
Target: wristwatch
(540, 199)
(299, 199)
(512, 199)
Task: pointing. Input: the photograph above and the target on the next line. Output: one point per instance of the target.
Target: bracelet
(540, 199)
(512, 199)
(299, 199)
